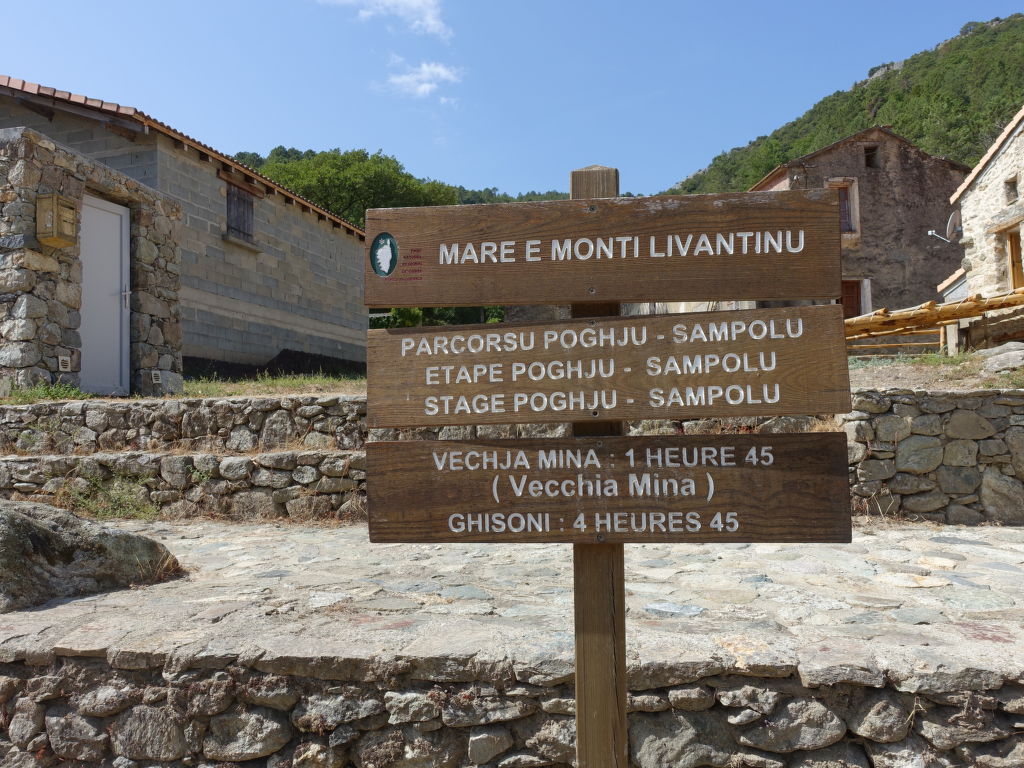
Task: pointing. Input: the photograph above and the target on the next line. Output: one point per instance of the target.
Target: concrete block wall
(299, 288)
(134, 158)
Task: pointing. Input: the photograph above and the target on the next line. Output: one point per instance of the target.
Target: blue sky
(477, 92)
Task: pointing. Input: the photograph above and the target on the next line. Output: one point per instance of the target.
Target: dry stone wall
(950, 457)
(299, 485)
(136, 709)
(237, 425)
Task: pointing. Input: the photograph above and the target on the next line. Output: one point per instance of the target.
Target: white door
(105, 286)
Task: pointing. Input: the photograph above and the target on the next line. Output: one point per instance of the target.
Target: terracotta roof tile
(164, 128)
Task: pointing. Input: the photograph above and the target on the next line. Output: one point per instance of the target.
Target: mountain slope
(951, 101)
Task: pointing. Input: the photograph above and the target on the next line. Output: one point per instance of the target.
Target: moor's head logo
(384, 254)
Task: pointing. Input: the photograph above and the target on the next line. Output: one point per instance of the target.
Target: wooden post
(599, 579)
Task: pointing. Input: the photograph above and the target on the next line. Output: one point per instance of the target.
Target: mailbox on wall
(56, 220)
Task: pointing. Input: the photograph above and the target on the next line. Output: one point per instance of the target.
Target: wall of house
(41, 287)
(134, 157)
(300, 289)
(989, 215)
(907, 195)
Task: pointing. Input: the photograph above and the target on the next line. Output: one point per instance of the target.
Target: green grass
(855, 363)
(934, 358)
(266, 384)
(1010, 380)
(43, 392)
(931, 359)
(119, 498)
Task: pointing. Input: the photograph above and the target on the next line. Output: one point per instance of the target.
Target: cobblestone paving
(903, 602)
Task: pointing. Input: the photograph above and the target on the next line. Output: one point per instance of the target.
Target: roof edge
(950, 280)
(148, 122)
(989, 156)
(883, 128)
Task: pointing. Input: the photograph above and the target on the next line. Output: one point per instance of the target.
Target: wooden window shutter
(240, 214)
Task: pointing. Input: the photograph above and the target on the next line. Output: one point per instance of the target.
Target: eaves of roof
(151, 123)
(990, 155)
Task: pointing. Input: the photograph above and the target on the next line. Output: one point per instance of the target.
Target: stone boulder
(1002, 497)
(1006, 357)
(47, 553)
(1002, 349)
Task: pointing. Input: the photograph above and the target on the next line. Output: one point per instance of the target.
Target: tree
(347, 183)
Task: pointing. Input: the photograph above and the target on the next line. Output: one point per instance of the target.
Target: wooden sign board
(751, 245)
(757, 362)
(700, 488)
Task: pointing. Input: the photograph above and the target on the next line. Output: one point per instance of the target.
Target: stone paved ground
(922, 605)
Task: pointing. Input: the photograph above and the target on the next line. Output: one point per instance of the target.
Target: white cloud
(424, 79)
(423, 16)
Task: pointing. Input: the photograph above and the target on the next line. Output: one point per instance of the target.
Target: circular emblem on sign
(384, 254)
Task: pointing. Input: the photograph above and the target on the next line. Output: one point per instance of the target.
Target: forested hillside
(951, 101)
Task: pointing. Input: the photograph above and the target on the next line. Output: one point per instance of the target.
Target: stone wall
(950, 457)
(299, 485)
(132, 709)
(298, 287)
(238, 424)
(947, 457)
(40, 287)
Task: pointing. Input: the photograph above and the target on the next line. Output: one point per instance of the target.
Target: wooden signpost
(694, 489)
(751, 245)
(760, 362)
(598, 489)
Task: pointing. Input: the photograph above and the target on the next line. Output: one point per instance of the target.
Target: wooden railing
(929, 318)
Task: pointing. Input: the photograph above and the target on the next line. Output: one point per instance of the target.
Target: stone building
(243, 268)
(992, 212)
(891, 193)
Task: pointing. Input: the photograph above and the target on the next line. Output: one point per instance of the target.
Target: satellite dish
(954, 227)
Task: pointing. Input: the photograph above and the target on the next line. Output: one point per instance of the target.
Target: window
(849, 205)
(845, 211)
(240, 214)
(871, 157)
(1010, 188)
(1013, 257)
